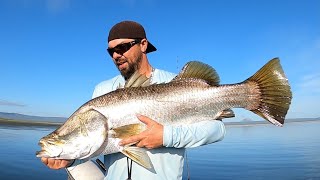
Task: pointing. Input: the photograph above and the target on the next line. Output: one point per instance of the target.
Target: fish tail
(275, 94)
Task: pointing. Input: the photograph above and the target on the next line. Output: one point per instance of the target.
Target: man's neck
(145, 68)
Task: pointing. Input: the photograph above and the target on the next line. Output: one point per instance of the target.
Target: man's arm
(194, 135)
(151, 138)
(184, 136)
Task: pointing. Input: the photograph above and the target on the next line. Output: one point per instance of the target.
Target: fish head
(81, 136)
(69, 146)
(64, 147)
(50, 147)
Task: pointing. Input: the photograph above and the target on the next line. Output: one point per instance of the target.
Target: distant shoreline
(251, 123)
(28, 123)
(4, 121)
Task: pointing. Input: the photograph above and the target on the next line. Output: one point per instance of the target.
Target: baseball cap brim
(150, 48)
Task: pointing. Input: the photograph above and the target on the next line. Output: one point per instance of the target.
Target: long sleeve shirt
(167, 161)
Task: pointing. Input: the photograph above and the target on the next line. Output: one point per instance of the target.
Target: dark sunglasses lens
(121, 48)
(110, 51)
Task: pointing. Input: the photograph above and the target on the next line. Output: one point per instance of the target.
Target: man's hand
(56, 163)
(151, 138)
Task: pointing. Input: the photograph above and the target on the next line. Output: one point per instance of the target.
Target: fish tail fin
(275, 94)
(138, 155)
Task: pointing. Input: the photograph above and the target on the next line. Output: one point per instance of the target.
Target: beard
(133, 66)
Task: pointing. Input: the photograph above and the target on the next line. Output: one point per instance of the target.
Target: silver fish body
(193, 96)
(183, 101)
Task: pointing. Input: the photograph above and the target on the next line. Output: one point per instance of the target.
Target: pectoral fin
(138, 155)
(128, 130)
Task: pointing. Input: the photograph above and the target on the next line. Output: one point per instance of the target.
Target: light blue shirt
(167, 161)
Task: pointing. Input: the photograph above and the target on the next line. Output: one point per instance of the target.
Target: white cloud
(309, 84)
(137, 3)
(57, 6)
(304, 107)
(10, 103)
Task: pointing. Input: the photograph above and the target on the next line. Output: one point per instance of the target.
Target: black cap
(129, 30)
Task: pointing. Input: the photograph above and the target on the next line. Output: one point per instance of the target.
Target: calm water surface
(261, 152)
(247, 152)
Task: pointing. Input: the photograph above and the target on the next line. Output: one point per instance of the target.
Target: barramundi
(194, 95)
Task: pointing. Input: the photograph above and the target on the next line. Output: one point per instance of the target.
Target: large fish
(193, 96)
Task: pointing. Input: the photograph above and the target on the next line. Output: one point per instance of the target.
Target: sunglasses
(122, 48)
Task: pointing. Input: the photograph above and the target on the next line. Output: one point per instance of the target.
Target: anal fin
(138, 155)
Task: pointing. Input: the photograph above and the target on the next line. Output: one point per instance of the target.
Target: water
(18, 145)
(261, 152)
(247, 152)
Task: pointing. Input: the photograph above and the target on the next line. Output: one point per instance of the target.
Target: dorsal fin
(199, 70)
(137, 80)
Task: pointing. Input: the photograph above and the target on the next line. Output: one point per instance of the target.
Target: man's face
(126, 55)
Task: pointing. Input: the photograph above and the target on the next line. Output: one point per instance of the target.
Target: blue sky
(53, 52)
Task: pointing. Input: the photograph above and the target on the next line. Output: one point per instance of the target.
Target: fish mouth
(42, 153)
(46, 143)
(49, 149)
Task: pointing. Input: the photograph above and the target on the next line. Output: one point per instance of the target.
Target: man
(128, 47)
